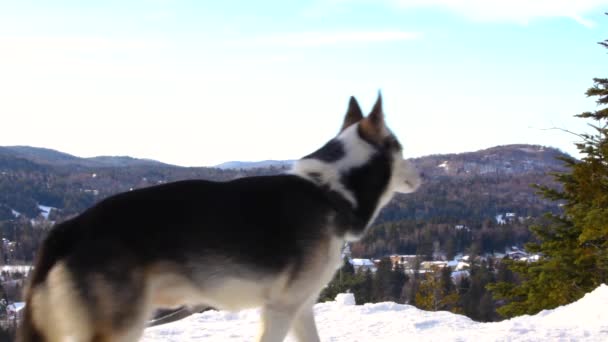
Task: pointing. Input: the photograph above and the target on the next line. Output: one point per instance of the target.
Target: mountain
(499, 160)
(467, 190)
(256, 164)
(508, 159)
(32, 176)
(46, 156)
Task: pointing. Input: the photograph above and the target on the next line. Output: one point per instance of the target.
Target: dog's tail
(55, 247)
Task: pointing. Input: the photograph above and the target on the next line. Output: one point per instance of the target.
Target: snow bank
(345, 299)
(585, 320)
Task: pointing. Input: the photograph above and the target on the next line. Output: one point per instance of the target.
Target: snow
(345, 299)
(585, 320)
(46, 210)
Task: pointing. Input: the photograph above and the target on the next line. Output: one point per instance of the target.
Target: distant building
(363, 265)
(506, 218)
(516, 255)
(406, 261)
(462, 227)
(429, 265)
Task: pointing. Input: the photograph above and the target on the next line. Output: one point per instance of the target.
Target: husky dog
(272, 242)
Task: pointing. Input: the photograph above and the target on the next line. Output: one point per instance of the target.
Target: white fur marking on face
(357, 152)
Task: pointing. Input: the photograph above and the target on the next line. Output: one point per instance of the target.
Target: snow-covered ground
(585, 320)
(45, 211)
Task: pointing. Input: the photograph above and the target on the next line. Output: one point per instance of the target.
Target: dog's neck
(352, 173)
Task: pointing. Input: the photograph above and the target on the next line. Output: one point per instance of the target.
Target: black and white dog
(271, 242)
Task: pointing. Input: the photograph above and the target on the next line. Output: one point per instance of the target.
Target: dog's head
(364, 162)
(381, 145)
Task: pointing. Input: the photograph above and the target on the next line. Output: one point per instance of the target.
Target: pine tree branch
(563, 130)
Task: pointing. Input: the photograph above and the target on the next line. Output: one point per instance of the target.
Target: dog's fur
(271, 242)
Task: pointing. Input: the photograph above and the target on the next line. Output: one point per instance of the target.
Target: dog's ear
(372, 127)
(353, 114)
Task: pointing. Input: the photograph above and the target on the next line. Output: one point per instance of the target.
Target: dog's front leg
(304, 328)
(276, 321)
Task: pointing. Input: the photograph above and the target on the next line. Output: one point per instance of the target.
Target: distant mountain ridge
(245, 165)
(52, 157)
(466, 190)
(500, 175)
(506, 159)
(512, 159)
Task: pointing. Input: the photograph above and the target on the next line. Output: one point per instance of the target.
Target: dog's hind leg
(276, 321)
(57, 310)
(123, 303)
(304, 328)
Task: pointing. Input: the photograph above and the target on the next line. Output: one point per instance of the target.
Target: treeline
(433, 290)
(418, 223)
(429, 240)
(447, 199)
(21, 240)
(71, 189)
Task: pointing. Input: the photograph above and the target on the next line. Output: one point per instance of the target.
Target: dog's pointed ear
(376, 117)
(353, 114)
(373, 125)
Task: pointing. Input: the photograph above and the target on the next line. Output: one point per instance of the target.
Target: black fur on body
(202, 232)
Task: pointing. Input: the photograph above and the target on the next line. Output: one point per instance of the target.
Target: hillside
(468, 188)
(257, 164)
(500, 175)
(495, 180)
(338, 321)
(51, 157)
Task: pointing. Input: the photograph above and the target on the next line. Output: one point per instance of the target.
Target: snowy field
(585, 320)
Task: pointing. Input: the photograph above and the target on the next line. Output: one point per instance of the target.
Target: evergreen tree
(381, 290)
(574, 245)
(437, 291)
(473, 303)
(363, 288)
(342, 282)
(397, 281)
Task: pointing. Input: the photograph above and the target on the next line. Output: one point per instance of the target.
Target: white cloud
(520, 11)
(58, 43)
(315, 39)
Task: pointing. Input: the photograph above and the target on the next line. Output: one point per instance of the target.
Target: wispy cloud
(519, 11)
(317, 39)
(56, 43)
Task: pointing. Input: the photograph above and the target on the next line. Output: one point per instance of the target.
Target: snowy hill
(585, 320)
(255, 164)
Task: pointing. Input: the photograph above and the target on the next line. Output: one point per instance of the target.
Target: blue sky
(201, 82)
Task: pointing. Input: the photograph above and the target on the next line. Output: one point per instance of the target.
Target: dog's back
(98, 271)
